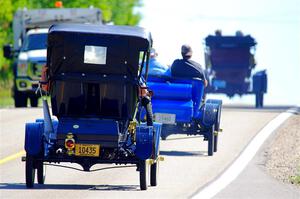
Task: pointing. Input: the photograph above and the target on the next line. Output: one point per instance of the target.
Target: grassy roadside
(296, 178)
(6, 99)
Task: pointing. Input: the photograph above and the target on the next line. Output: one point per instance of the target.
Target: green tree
(120, 12)
(6, 15)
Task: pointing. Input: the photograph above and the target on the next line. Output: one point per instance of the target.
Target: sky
(275, 24)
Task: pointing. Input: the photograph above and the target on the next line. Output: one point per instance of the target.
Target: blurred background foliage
(119, 12)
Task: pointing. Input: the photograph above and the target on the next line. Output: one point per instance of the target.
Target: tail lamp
(70, 143)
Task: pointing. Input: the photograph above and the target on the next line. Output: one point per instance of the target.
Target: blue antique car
(179, 104)
(93, 77)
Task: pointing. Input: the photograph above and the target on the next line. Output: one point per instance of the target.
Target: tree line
(120, 12)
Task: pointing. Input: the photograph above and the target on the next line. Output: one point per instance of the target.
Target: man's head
(186, 51)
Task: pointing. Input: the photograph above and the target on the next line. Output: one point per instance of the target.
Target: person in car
(155, 67)
(186, 67)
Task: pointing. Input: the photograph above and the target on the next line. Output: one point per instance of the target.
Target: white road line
(242, 161)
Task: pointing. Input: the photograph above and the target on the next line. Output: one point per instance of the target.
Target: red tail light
(70, 144)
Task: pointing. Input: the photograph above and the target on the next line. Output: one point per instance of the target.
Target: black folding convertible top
(130, 31)
(94, 69)
(67, 45)
(230, 41)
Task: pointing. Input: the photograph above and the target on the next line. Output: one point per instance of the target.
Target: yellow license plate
(87, 150)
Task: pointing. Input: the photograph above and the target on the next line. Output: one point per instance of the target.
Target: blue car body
(179, 104)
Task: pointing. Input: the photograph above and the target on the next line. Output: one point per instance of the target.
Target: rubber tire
(164, 133)
(149, 114)
(41, 172)
(211, 141)
(153, 167)
(259, 100)
(218, 118)
(154, 170)
(29, 171)
(143, 167)
(215, 143)
(20, 99)
(34, 101)
(217, 128)
(143, 175)
(154, 173)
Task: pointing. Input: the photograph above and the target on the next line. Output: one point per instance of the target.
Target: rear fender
(210, 111)
(33, 138)
(144, 142)
(50, 137)
(55, 125)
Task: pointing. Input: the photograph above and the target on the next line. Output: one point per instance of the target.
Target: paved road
(254, 182)
(186, 167)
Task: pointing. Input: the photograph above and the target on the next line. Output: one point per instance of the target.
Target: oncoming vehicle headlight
(22, 68)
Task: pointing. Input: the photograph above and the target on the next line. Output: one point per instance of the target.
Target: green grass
(295, 179)
(6, 99)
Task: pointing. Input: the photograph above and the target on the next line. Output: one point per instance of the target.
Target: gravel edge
(283, 153)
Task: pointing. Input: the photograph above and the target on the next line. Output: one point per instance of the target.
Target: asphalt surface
(255, 182)
(185, 170)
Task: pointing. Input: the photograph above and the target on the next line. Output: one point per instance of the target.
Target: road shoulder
(255, 181)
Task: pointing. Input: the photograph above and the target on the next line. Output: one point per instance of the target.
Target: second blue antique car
(179, 104)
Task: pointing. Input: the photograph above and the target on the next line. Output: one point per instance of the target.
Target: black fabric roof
(230, 41)
(130, 31)
(123, 45)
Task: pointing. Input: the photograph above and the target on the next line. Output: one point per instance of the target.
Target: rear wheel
(211, 140)
(154, 167)
(217, 128)
(30, 171)
(41, 172)
(216, 142)
(259, 100)
(154, 173)
(149, 114)
(143, 175)
(143, 164)
(164, 132)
